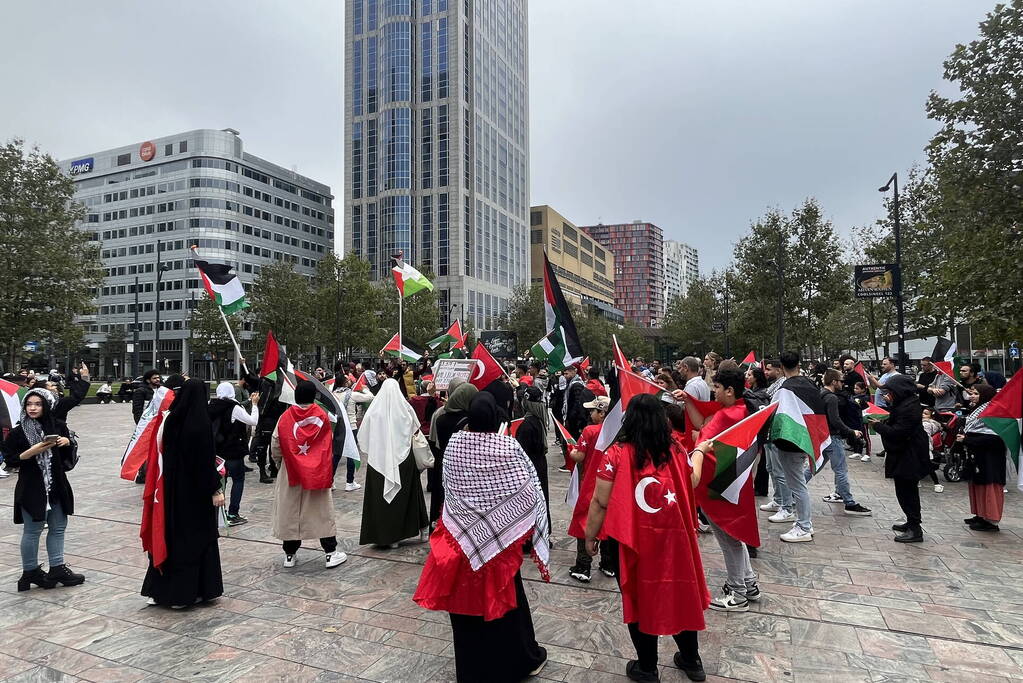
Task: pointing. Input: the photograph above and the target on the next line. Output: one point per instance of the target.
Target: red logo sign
(147, 151)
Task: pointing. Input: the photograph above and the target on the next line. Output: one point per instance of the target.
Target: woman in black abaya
(188, 489)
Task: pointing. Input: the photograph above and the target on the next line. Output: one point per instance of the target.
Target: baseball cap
(598, 403)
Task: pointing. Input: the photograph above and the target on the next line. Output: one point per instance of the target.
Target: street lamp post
(893, 183)
(135, 335)
(728, 342)
(776, 264)
(160, 269)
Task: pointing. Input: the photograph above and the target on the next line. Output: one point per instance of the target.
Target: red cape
(448, 583)
(153, 531)
(589, 465)
(307, 441)
(738, 521)
(649, 514)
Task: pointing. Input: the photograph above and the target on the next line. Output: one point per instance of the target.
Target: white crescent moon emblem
(482, 368)
(314, 420)
(641, 494)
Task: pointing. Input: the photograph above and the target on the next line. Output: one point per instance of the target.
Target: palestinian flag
(584, 365)
(361, 383)
(735, 451)
(558, 319)
(750, 359)
(1004, 415)
(621, 361)
(453, 336)
(553, 350)
(277, 368)
(511, 428)
(873, 413)
(10, 406)
(408, 279)
(801, 421)
(221, 284)
(397, 349)
(566, 436)
(453, 353)
(943, 356)
(862, 372)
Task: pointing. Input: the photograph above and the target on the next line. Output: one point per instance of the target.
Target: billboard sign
(147, 151)
(500, 343)
(447, 369)
(877, 280)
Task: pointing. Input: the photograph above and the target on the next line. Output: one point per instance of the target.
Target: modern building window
(371, 15)
(397, 139)
(442, 58)
(426, 231)
(123, 159)
(183, 146)
(442, 234)
(442, 146)
(357, 93)
(398, 60)
(397, 8)
(426, 148)
(371, 157)
(357, 160)
(371, 74)
(426, 61)
(535, 218)
(168, 149)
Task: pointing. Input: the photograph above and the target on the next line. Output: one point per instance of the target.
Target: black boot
(900, 527)
(63, 574)
(36, 576)
(692, 669)
(912, 534)
(634, 673)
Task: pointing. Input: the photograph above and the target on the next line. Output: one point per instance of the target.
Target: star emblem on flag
(609, 467)
(670, 497)
(303, 448)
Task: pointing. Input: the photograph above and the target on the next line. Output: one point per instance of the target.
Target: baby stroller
(946, 449)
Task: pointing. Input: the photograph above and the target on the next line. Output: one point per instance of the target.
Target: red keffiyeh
(306, 441)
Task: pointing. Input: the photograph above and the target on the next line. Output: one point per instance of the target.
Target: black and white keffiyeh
(492, 498)
(34, 433)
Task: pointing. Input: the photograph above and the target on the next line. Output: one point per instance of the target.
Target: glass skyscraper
(437, 145)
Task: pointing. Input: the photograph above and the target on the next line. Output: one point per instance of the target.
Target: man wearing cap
(586, 458)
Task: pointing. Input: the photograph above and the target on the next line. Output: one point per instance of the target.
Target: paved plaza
(851, 606)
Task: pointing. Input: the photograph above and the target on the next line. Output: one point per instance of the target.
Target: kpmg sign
(81, 166)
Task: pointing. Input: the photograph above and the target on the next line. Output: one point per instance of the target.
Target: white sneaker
(335, 558)
(354, 486)
(703, 528)
(833, 498)
(938, 488)
(729, 602)
(782, 516)
(289, 560)
(797, 535)
(151, 601)
(770, 507)
(865, 458)
(3, 472)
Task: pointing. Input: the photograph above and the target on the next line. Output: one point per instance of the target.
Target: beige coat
(299, 514)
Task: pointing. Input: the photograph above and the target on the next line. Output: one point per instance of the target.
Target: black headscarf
(305, 392)
(190, 474)
(484, 415)
(174, 381)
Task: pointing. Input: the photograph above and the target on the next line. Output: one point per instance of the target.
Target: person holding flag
(231, 438)
(908, 447)
(183, 490)
(303, 504)
(642, 500)
(987, 485)
(587, 460)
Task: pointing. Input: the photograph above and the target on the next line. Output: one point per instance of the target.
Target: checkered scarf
(492, 498)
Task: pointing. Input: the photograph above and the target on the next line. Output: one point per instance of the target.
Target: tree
(209, 335)
(525, 315)
(420, 315)
(978, 175)
(282, 301)
(48, 268)
(346, 304)
(690, 318)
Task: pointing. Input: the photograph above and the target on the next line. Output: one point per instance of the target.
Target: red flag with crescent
(487, 368)
(307, 444)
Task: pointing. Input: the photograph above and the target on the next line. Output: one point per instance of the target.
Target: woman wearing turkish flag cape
(303, 505)
(644, 501)
(493, 505)
(179, 521)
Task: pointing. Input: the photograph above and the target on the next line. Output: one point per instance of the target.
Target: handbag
(421, 451)
(69, 455)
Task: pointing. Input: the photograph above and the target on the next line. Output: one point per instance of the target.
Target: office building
(638, 249)
(585, 269)
(437, 145)
(166, 194)
(681, 267)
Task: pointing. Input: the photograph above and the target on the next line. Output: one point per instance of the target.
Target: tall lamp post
(728, 343)
(893, 183)
(135, 335)
(776, 264)
(161, 267)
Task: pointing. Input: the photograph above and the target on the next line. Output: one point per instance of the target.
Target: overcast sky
(697, 116)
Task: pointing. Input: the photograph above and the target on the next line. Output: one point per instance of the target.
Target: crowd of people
(638, 504)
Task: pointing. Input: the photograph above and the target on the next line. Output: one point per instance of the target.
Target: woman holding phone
(40, 446)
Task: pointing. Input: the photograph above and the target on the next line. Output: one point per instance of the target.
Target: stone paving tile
(851, 606)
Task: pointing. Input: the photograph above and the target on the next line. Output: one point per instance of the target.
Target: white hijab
(385, 436)
(225, 390)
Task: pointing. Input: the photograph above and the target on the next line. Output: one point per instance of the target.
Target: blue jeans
(57, 521)
(782, 495)
(236, 471)
(793, 465)
(836, 454)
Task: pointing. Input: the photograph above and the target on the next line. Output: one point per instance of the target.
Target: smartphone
(51, 438)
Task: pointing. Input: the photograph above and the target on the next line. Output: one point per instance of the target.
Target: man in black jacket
(839, 430)
(144, 394)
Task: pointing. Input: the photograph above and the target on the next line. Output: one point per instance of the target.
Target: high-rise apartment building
(585, 269)
(437, 145)
(638, 248)
(681, 267)
(164, 195)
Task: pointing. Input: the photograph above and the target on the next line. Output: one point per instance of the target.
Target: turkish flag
(650, 514)
(487, 369)
(307, 445)
(153, 531)
(705, 408)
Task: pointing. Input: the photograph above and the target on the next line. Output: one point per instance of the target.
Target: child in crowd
(587, 457)
(932, 427)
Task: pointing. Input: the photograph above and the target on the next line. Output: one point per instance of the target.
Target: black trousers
(760, 481)
(608, 555)
(329, 545)
(236, 471)
(908, 495)
(261, 448)
(646, 646)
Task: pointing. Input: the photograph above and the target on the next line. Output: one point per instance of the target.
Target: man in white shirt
(689, 368)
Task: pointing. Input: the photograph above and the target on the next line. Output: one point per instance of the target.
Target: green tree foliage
(525, 315)
(209, 335)
(690, 318)
(977, 172)
(282, 300)
(48, 268)
(420, 314)
(346, 304)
